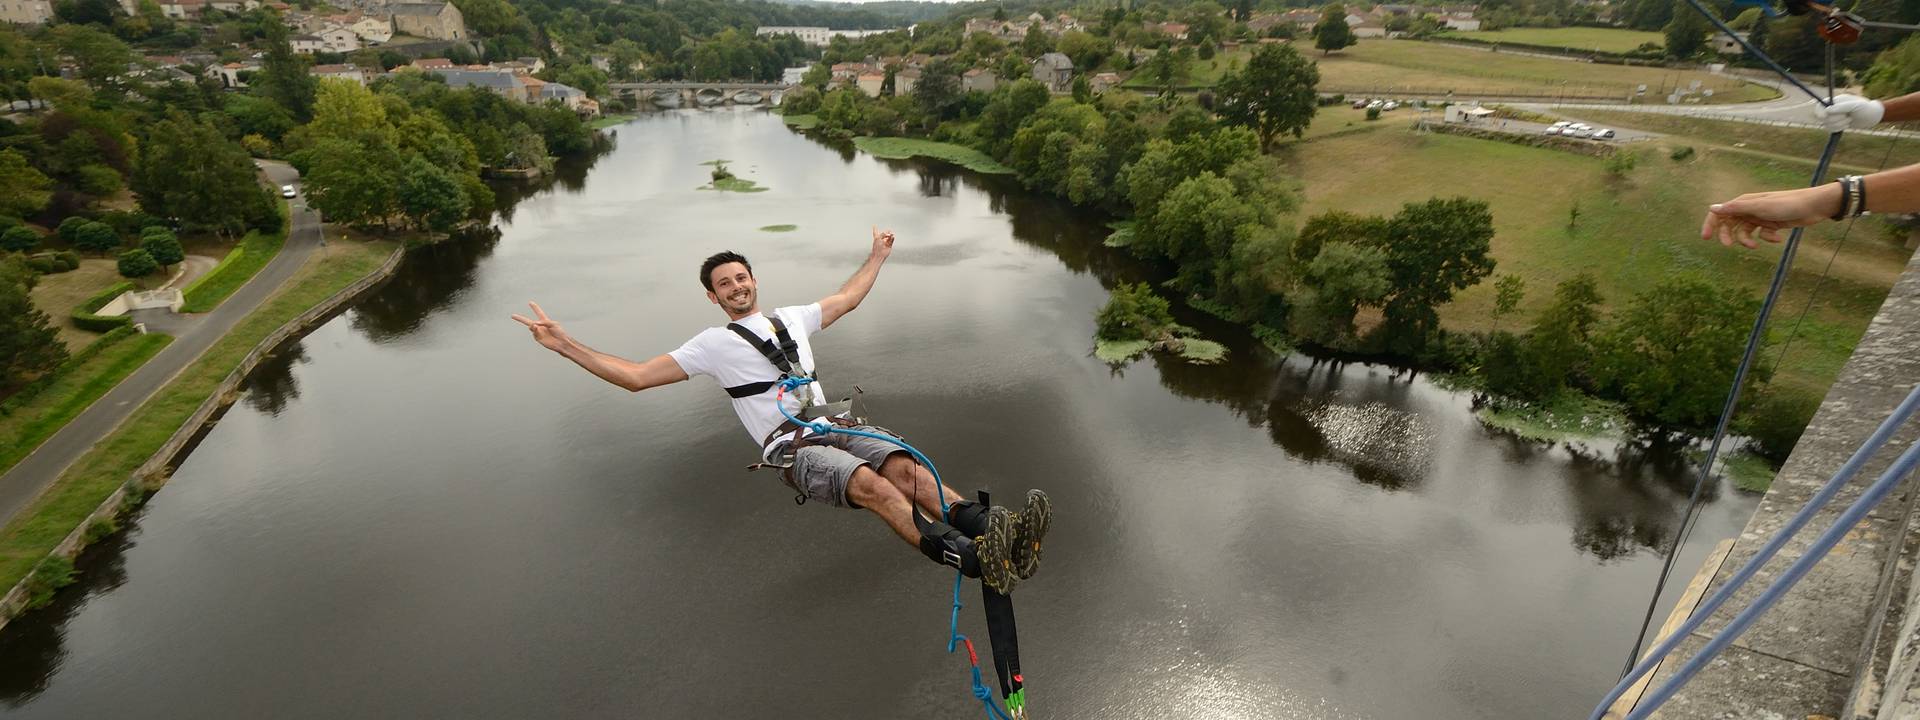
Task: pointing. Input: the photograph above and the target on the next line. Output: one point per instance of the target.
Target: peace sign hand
(546, 330)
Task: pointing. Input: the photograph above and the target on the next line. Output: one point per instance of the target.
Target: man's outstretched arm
(614, 369)
(856, 287)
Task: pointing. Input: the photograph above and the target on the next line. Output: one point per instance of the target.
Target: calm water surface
(417, 512)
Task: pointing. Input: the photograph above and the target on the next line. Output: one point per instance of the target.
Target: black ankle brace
(969, 517)
(943, 544)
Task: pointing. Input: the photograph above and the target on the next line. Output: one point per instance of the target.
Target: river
(415, 511)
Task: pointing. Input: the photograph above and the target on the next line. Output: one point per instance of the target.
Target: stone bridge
(678, 93)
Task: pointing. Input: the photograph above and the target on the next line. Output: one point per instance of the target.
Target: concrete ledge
(1801, 659)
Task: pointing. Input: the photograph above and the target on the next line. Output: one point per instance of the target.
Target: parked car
(287, 191)
(1581, 126)
(1391, 105)
(1581, 134)
(1562, 123)
(1550, 131)
(1603, 134)
(1360, 104)
(1375, 104)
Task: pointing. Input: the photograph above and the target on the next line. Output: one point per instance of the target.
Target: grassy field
(1389, 67)
(1606, 40)
(607, 121)
(24, 425)
(1631, 233)
(24, 542)
(894, 148)
(57, 295)
(803, 122)
(1861, 152)
(1408, 67)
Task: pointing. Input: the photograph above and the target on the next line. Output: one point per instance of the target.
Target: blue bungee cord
(954, 638)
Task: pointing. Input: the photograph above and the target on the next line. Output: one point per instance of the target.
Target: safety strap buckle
(950, 558)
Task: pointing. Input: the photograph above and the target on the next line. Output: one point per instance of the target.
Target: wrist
(1831, 200)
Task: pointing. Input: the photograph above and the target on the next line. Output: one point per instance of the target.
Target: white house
(307, 44)
(792, 75)
(347, 72)
(1458, 23)
(1725, 45)
(338, 39)
(373, 29)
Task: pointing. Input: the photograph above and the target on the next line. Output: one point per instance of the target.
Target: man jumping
(751, 355)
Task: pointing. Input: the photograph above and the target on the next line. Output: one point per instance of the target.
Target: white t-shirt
(720, 354)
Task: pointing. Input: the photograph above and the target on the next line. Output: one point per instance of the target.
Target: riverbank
(898, 148)
(132, 461)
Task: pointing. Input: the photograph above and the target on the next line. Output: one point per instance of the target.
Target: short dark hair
(716, 260)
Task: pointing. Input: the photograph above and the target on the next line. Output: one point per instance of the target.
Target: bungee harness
(940, 540)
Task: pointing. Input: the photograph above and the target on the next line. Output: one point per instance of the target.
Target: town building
(978, 80)
(1055, 71)
(348, 72)
(437, 21)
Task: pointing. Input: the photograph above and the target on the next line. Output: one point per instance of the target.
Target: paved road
(193, 335)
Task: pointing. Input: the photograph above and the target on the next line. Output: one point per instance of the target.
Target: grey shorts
(822, 470)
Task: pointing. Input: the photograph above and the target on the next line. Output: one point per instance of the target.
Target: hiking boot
(994, 548)
(1029, 528)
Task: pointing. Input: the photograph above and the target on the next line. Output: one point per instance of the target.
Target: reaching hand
(1741, 218)
(546, 330)
(882, 242)
(1849, 112)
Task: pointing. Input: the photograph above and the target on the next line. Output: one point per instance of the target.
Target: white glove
(1849, 112)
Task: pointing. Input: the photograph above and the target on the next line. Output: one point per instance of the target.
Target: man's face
(733, 289)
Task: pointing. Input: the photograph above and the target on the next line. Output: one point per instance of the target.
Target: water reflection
(33, 648)
(431, 279)
(272, 385)
(569, 174)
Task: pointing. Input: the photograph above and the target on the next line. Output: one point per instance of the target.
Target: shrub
(1620, 164)
(70, 228)
(99, 181)
(163, 246)
(1682, 153)
(84, 318)
(48, 577)
(95, 237)
(1133, 313)
(19, 238)
(137, 263)
(1373, 113)
(1774, 420)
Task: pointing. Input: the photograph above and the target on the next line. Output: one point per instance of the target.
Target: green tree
(95, 237)
(19, 238)
(430, 196)
(1036, 43)
(1133, 313)
(29, 346)
(1434, 249)
(162, 246)
(24, 191)
(351, 182)
(136, 263)
(1556, 349)
(1671, 355)
(938, 91)
(1332, 32)
(1897, 71)
(190, 173)
(1082, 90)
(1508, 290)
(1774, 418)
(100, 57)
(69, 229)
(1274, 95)
(283, 75)
(1340, 279)
(1686, 34)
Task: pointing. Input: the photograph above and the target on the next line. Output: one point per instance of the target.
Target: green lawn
(607, 121)
(254, 252)
(80, 490)
(1630, 233)
(1399, 67)
(1605, 40)
(24, 424)
(1381, 67)
(895, 148)
(1865, 152)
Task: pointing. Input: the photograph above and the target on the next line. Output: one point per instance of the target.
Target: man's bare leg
(915, 481)
(879, 496)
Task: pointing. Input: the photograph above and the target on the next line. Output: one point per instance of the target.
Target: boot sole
(995, 549)
(1034, 520)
